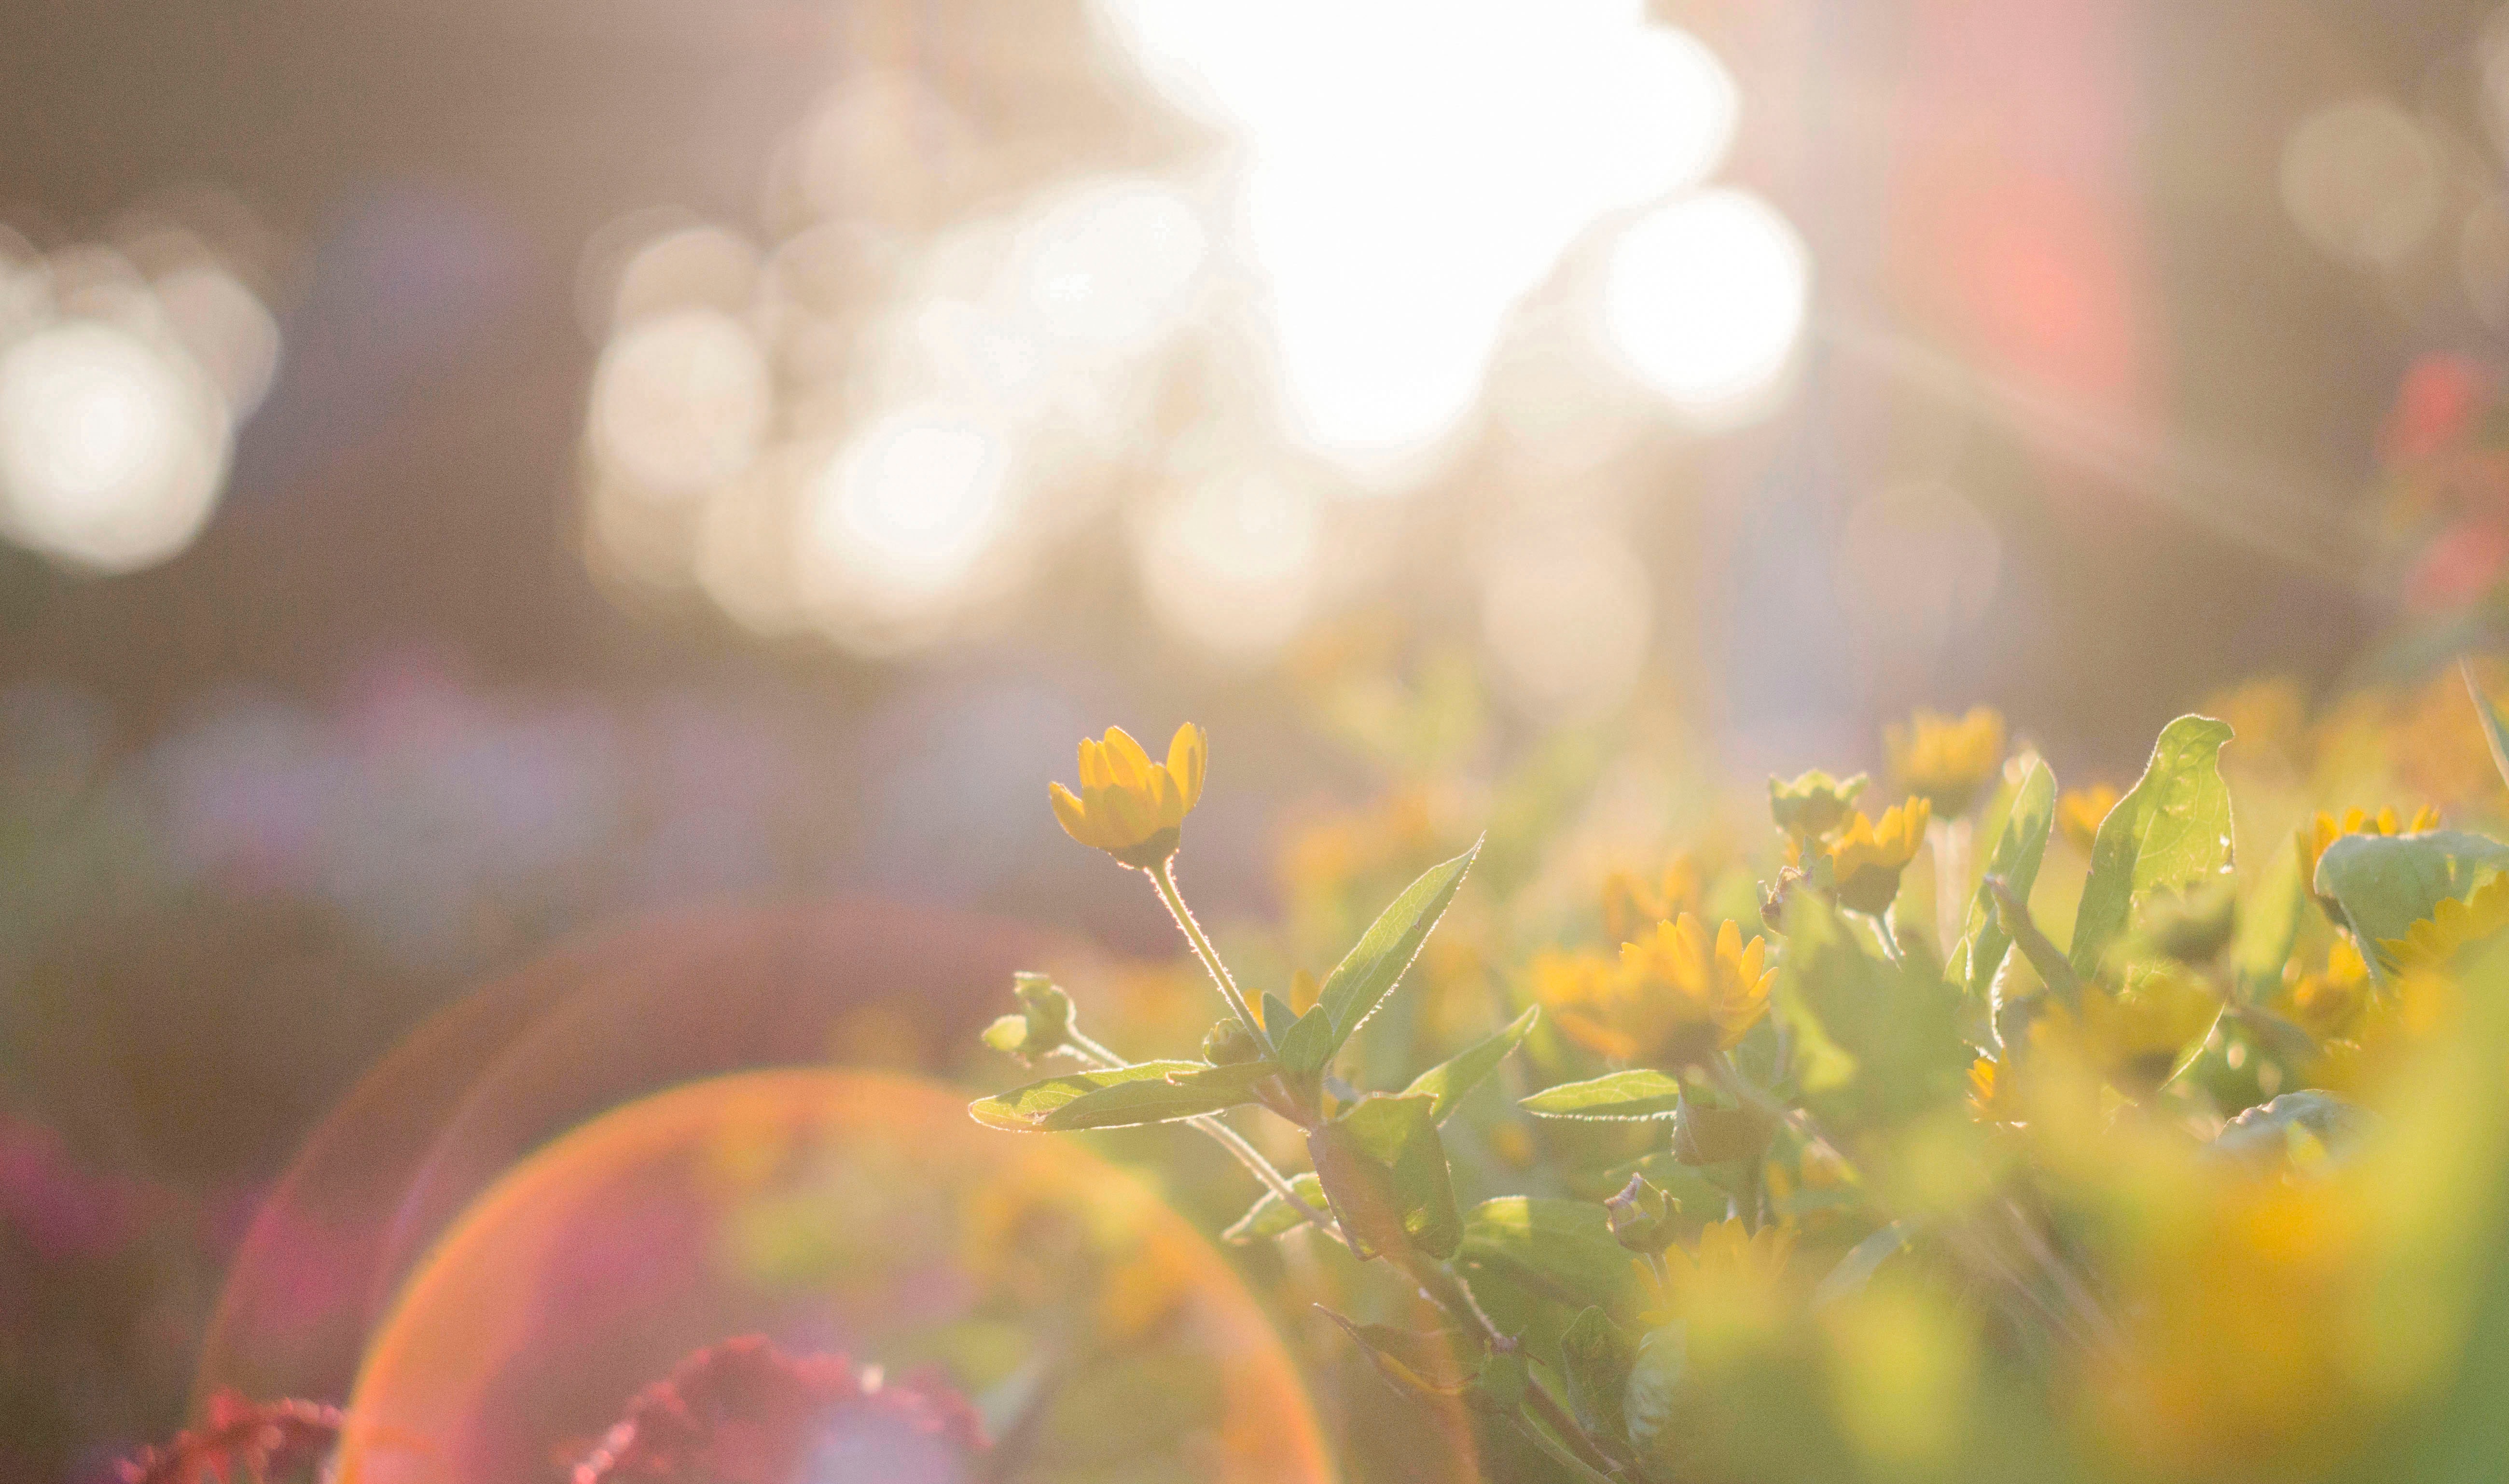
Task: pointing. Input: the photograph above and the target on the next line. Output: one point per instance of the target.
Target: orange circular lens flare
(831, 1212)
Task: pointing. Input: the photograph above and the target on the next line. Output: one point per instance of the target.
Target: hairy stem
(1228, 1138)
(1163, 881)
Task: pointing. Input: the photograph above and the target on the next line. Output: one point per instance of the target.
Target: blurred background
(475, 475)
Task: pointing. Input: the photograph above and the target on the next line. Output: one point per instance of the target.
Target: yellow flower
(2329, 1006)
(1129, 806)
(1947, 761)
(2452, 926)
(2131, 1038)
(2078, 812)
(1990, 1094)
(1691, 997)
(1736, 1269)
(2325, 829)
(1629, 901)
(1866, 858)
(1673, 998)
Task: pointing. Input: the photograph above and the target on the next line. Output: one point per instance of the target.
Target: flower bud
(1227, 1043)
(1643, 1215)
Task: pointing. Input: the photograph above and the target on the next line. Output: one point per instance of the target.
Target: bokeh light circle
(680, 401)
(1704, 300)
(830, 1210)
(112, 447)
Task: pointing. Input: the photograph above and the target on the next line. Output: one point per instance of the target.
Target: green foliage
(1638, 1093)
(1446, 1083)
(1148, 1093)
(2386, 883)
(1436, 1362)
(1367, 974)
(1553, 1251)
(1271, 1215)
(1897, 1030)
(1596, 1358)
(2171, 830)
(1385, 1172)
(2018, 850)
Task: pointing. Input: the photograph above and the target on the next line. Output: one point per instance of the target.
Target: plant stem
(1560, 1452)
(1890, 939)
(1163, 881)
(1951, 883)
(1228, 1138)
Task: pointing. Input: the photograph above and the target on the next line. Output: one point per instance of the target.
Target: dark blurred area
(475, 474)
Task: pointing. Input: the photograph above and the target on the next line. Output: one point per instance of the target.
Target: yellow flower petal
(1187, 756)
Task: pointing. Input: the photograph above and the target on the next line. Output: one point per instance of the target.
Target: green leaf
(1639, 1093)
(1861, 1262)
(2495, 732)
(2015, 859)
(2386, 883)
(1021, 1109)
(2172, 829)
(1367, 974)
(1181, 1094)
(1307, 1047)
(1562, 1252)
(1652, 1402)
(2269, 924)
(2263, 1133)
(1440, 1362)
(1271, 1215)
(1705, 1135)
(1449, 1080)
(1385, 1172)
(1896, 1029)
(1595, 1360)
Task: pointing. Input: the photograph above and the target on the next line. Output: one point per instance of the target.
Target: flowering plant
(1991, 1148)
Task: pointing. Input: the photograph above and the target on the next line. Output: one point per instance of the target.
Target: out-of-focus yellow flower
(1693, 995)
(1944, 760)
(2078, 812)
(1812, 804)
(1130, 807)
(2326, 829)
(2270, 717)
(1630, 901)
(1868, 856)
(1675, 999)
(1991, 1099)
(2241, 1357)
(2455, 924)
(2131, 1038)
(1735, 1270)
(2329, 1005)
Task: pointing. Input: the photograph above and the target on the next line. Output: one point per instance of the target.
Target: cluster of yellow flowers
(2099, 1136)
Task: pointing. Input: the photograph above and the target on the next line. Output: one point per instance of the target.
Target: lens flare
(112, 448)
(1704, 300)
(829, 1210)
(1410, 171)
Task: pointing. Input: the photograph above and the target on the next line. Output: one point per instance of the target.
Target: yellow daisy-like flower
(1130, 807)
(2132, 1038)
(1947, 761)
(1732, 1267)
(1868, 856)
(1693, 996)
(2452, 926)
(1675, 999)
(1991, 1099)
(2326, 829)
(1630, 901)
(2078, 812)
